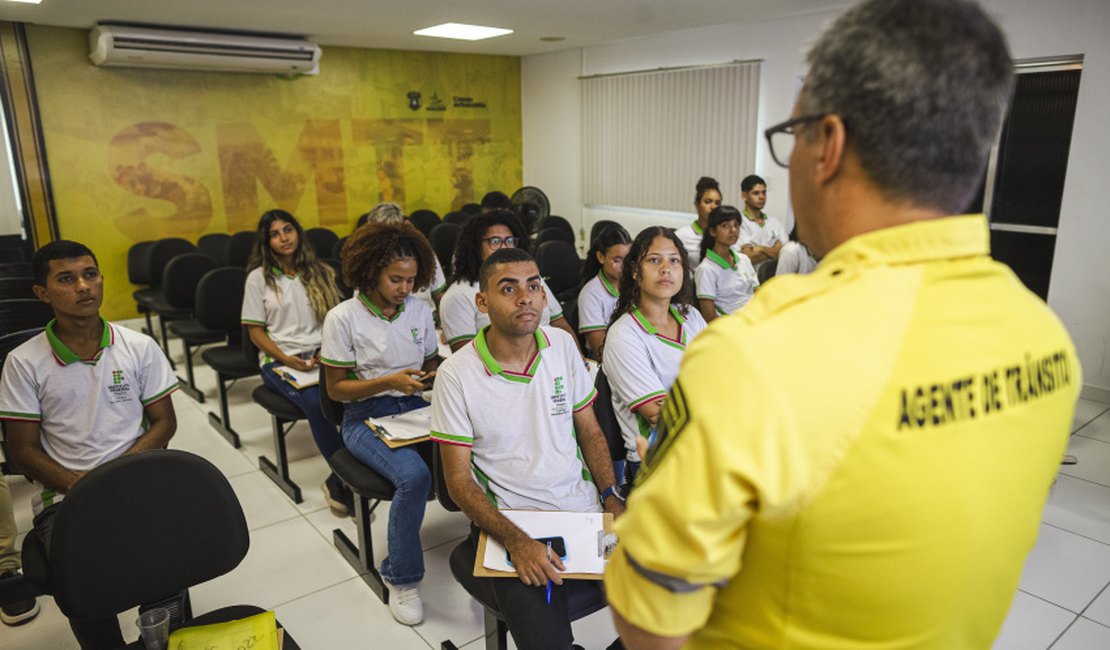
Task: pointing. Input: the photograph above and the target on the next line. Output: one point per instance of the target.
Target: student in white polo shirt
(379, 351)
(480, 236)
(601, 275)
(706, 198)
(513, 413)
(288, 292)
(654, 321)
(725, 279)
(761, 235)
(81, 394)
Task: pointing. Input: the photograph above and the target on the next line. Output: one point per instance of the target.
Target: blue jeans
(324, 433)
(409, 474)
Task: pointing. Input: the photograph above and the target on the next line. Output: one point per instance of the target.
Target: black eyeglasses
(781, 137)
(496, 243)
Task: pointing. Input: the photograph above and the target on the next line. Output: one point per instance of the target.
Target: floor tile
(1032, 624)
(347, 615)
(1094, 459)
(449, 612)
(203, 441)
(1079, 506)
(1097, 428)
(1066, 569)
(1099, 611)
(309, 473)
(285, 561)
(263, 504)
(1085, 411)
(1084, 634)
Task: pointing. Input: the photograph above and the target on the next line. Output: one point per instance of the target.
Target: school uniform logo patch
(416, 337)
(119, 390)
(559, 403)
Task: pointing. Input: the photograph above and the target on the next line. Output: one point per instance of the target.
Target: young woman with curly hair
(287, 294)
(391, 213)
(379, 354)
(725, 279)
(655, 320)
(480, 236)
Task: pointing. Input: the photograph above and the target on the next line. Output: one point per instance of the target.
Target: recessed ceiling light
(462, 31)
(27, 2)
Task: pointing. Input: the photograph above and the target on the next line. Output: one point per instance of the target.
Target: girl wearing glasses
(480, 236)
(707, 197)
(601, 275)
(654, 321)
(725, 279)
(379, 353)
(287, 294)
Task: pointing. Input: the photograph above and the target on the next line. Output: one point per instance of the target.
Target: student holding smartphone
(379, 353)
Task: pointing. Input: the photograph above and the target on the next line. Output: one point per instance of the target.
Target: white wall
(1080, 289)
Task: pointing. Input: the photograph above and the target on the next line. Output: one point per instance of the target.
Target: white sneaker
(405, 604)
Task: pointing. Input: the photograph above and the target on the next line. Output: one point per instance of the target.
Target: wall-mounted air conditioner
(152, 47)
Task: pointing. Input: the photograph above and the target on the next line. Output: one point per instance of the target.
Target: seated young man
(81, 393)
(513, 409)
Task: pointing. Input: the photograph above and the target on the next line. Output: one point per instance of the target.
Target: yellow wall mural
(136, 155)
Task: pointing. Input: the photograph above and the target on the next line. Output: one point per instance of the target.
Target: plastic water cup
(154, 627)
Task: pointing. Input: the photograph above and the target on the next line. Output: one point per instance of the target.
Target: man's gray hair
(922, 86)
(385, 213)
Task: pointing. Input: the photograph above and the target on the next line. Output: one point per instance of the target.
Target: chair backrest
(18, 314)
(332, 409)
(13, 340)
(336, 252)
(443, 240)
(162, 252)
(554, 234)
(215, 245)
(138, 263)
(559, 264)
(766, 271)
(607, 417)
(555, 221)
(16, 288)
(457, 217)
(12, 253)
(219, 300)
(598, 226)
(16, 269)
(337, 266)
(424, 220)
(439, 481)
(471, 208)
(322, 240)
(181, 277)
(142, 528)
(239, 248)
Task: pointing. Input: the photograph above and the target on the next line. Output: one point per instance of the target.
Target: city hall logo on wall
(414, 100)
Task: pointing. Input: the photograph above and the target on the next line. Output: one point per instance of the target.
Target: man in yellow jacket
(872, 469)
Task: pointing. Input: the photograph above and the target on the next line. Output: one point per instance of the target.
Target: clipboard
(480, 570)
(298, 378)
(404, 422)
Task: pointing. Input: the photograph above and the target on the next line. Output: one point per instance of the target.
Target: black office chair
(322, 240)
(16, 288)
(766, 271)
(586, 596)
(16, 270)
(139, 531)
(369, 488)
(443, 240)
(457, 217)
(559, 265)
(179, 286)
(471, 208)
(239, 248)
(219, 305)
(337, 249)
(337, 266)
(598, 226)
(160, 255)
(554, 234)
(215, 245)
(12, 253)
(424, 220)
(9, 342)
(283, 415)
(555, 221)
(18, 314)
(138, 274)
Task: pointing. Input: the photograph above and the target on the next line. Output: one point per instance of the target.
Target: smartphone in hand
(558, 548)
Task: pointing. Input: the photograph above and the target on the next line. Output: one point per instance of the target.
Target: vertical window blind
(649, 136)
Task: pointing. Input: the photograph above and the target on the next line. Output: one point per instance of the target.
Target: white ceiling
(385, 24)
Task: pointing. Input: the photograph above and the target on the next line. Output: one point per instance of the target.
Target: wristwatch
(611, 491)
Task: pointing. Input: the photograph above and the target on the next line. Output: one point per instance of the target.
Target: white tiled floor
(1063, 601)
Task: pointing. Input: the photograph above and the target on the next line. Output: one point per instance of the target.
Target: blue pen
(549, 580)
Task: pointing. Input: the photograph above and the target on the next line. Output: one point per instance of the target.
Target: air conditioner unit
(152, 47)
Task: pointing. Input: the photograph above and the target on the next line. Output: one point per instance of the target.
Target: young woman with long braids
(725, 279)
(287, 294)
(654, 321)
(601, 275)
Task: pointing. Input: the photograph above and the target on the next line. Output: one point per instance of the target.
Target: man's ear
(833, 138)
(40, 292)
(480, 301)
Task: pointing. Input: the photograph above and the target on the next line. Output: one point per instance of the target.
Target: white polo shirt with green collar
(596, 303)
(461, 320)
(89, 411)
(439, 284)
(690, 236)
(729, 284)
(641, 365)
(358, 337)
(285, 312)
(519, 426)
(767, 233)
